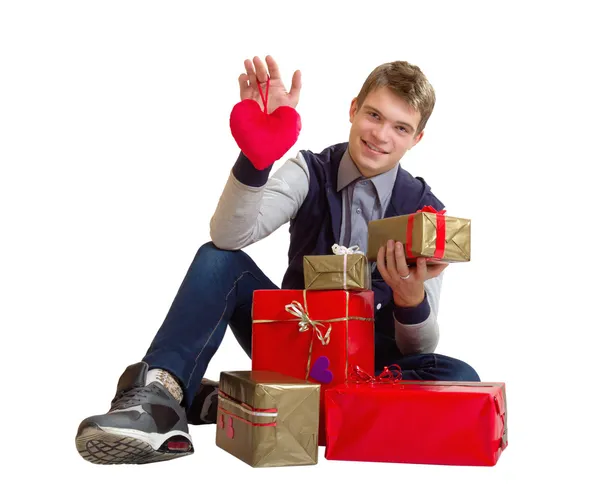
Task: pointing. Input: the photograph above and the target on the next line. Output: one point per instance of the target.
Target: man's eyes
(400, 128)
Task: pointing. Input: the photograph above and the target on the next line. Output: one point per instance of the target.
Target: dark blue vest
(317, 225)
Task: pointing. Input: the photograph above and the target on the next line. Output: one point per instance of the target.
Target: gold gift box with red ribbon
(426, 233)
(268, 419)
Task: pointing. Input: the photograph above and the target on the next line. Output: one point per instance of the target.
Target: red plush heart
(264, 138)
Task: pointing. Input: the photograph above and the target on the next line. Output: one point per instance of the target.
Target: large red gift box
(417, 422)
(317, 336)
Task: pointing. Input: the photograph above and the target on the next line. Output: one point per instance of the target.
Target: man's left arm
(416, 328)
(416, 293)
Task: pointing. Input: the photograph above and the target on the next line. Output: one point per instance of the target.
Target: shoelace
(134, 396)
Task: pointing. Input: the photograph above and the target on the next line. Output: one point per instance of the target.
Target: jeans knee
(465, 372)
(209, 252)
(455, 369)
(213, 259)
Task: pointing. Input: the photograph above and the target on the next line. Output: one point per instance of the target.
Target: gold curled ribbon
(305, 322)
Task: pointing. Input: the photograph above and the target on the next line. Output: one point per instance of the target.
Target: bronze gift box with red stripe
(426, 233)
(268, 419)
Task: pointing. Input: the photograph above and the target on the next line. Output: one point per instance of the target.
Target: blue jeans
(217, 292)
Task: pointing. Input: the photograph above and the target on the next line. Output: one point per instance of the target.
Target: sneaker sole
(102, 447)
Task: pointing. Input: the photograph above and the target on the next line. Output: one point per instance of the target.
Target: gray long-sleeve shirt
(245, 215)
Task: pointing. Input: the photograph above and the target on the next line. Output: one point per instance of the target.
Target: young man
(328, 198)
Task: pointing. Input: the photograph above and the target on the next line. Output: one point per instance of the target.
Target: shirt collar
(349, 173)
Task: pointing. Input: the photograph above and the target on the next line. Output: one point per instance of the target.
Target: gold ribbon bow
(304, 321)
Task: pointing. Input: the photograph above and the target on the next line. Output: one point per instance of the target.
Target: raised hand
(257, 73)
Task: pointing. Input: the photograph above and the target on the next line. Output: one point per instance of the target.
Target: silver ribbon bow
(345, 251)
(342, 250)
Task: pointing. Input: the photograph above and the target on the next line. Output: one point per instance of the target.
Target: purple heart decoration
(320, 370)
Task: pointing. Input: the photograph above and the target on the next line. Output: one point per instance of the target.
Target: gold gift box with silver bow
(346, 270)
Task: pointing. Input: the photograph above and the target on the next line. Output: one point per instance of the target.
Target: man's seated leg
(147, 418)
(203, 409)
(432, 366)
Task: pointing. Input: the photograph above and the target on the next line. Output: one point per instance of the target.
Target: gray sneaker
(144, 424)
(203, 410)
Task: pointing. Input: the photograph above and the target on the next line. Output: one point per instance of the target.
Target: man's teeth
(373, 148)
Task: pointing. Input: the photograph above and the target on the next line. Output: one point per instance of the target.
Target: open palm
(256, 73)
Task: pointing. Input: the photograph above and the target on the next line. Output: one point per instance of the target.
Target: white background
(115, 146)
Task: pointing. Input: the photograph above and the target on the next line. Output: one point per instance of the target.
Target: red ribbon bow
(390, 375)
(429, 208)
(440, 238)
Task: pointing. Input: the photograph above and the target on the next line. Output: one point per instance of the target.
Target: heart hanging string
(264, 97)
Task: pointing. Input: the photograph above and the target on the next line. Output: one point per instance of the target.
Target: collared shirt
(363, 200)
(253, 205)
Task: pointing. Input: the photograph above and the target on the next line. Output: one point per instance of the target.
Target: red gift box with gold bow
(387, 419)
(318, 336)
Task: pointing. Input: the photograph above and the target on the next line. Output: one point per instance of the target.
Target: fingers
(400, 259)
(434, 270)
(257, 73)
(296, 86)
(422, 268)
(395, 261)
(381, 265)
(390, 258)
(251, 74)
(273, 67)
(244, 81)
(261, 70)
(429, 268)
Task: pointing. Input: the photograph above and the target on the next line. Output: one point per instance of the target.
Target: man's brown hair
(406, 81)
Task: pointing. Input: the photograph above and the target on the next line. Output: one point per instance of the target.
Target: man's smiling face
(382, 130)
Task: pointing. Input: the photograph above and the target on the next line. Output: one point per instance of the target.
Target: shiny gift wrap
(326, 272)
(426, 233)
(317, 336)
(267, 419)
(417, 422)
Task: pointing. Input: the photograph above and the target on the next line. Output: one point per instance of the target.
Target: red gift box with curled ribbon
(387, 419)
(318, 336)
